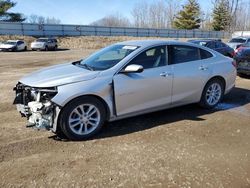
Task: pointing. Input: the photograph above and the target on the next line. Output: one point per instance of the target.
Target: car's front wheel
(212, 93)
(82, 118)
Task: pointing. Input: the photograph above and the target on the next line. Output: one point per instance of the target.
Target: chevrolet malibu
(120, 81)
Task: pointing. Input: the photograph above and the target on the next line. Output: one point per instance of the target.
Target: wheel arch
(221, 78)
(93, 96)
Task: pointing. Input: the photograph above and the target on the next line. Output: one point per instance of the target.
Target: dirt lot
(181, 147)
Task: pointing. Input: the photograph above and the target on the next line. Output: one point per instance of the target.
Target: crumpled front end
(36, 105)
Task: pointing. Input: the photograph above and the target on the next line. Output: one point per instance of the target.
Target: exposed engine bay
(35, 104)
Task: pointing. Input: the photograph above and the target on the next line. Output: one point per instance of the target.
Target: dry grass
(87, 42)
(84, 42)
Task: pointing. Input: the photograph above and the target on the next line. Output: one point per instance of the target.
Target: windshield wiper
(87, 67)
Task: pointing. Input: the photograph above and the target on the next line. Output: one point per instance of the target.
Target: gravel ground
(181, 147)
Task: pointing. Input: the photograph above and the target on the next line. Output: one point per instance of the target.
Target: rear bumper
(37, 47)
(244, 70)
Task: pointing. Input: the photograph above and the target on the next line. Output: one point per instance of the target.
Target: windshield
(107, 57)
(41, 40)
(238, 40)
(11, 43)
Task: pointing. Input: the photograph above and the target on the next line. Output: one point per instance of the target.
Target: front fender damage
(35, 104)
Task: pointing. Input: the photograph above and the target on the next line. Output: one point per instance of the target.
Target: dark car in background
(242, 58)
(215, 44)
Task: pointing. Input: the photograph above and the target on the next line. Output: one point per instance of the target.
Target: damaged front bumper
(35, 104)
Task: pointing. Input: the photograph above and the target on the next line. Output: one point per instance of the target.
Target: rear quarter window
(205, 54)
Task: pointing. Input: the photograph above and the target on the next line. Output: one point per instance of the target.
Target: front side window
(107, 57)
(181, 53)
(151, 58)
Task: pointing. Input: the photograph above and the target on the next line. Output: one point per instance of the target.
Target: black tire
(14, 49)
(68, 110)
(55, 48)
(25, 49)
(204, 101)
(46, 48)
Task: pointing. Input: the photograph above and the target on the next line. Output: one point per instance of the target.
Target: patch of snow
(236, 108)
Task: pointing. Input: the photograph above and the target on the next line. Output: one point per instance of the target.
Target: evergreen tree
(221, 16)
(6, 16)
(189, 16)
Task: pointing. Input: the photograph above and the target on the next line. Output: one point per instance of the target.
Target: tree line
(226, 15)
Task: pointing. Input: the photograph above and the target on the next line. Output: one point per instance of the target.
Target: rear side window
(211, 45)
(205, 54)
(181, 54)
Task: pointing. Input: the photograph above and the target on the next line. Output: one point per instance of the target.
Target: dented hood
(58, 75)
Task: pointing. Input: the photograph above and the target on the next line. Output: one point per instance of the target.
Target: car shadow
(236, 98)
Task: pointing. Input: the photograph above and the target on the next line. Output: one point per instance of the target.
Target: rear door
(138, 92)
(190, 73)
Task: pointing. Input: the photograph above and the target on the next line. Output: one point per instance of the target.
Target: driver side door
(148, 90)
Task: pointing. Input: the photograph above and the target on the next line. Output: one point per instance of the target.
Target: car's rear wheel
(82, 118)
(212, 93)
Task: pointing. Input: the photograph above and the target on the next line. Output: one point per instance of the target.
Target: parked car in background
(123, 80)
(242, 46)
(242, 58)
(238, 41)
(13, 45)
(216, 45)
(44, 44)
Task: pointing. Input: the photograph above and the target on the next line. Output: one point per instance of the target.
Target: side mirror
(133, 69)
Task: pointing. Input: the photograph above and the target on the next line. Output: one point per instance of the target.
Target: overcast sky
(82, 11)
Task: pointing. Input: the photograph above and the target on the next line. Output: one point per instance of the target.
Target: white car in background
(13, 45)
(238, 41)
(44, 44)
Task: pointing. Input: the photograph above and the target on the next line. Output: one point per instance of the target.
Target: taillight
(237, 50)
(234, 63)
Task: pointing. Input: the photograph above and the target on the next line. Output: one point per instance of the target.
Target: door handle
(203, 68)
(165, 74)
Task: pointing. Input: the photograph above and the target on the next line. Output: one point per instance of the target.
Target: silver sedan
(120, 81)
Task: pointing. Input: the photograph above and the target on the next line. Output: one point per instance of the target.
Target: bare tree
(52, 20)
(32, 19)
(113, 20)
(158, 14)
(140, 14)
(172, 7)
(35, 19)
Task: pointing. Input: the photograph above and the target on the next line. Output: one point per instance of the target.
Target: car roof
(46, 38)
(13, 40)
(204, 40)
(148, 43)
(247, 37)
